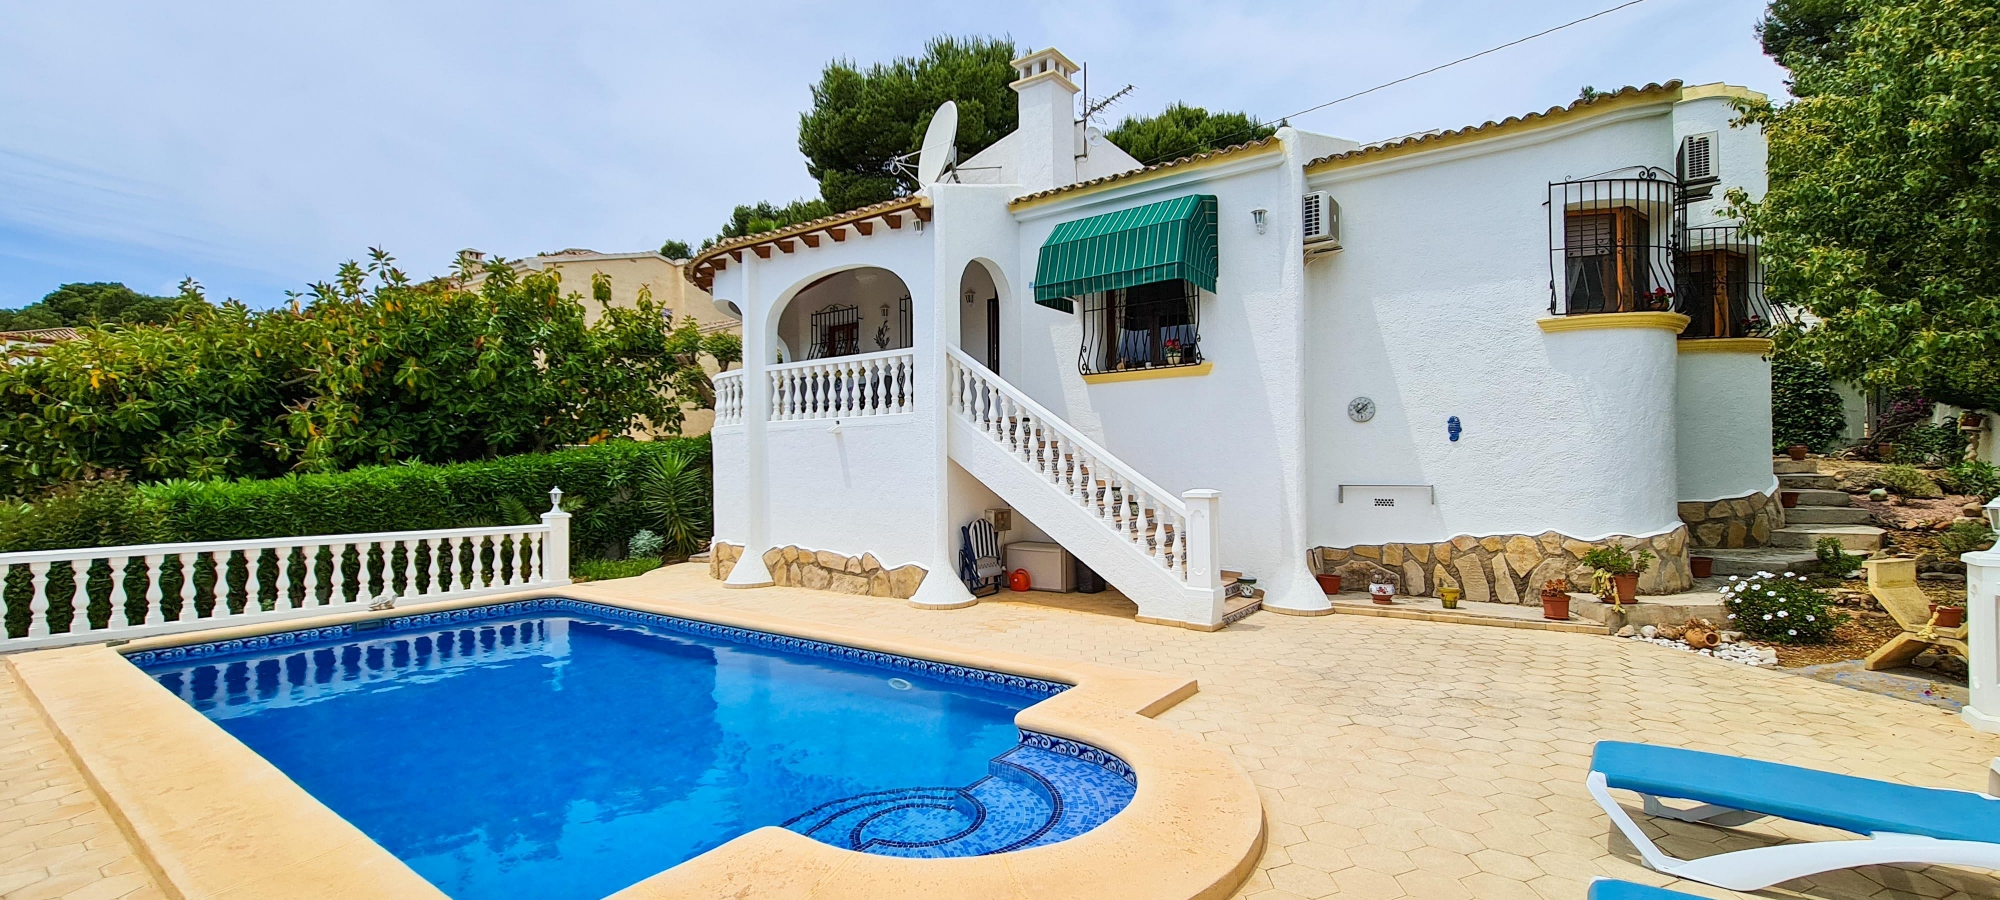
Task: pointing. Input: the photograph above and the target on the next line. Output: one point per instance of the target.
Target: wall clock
(1361, 409)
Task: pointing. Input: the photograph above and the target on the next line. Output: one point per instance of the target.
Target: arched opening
(979, 314)
(853, 311)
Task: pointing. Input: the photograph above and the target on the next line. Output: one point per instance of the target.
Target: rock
(1503, 582)
(1440, 579)
(1760, 532)
(869, 563)
(831, 561)
(1649, 632)
(903, 581)
(1413, 578)
(1952, 665)
(1736, 534)
(1709, 534)
(1741, 507)
(1878, 495)
(1472, 577)
(1523, 554)
(1442, 552)
(1548, 570)
(878, 583)
(1368, 552)
(848, 584)
(773, 558)
(1673, 543)
(1692, 512)
(815, 578)
(1392, 555)
(1464, 542)
(1627, 631)
(1951, 577)
(1926, 659)
(1669, 632)
(1731, 637)
(1577, 548)
(1492, 543)
(854, 566)
(1420, 552)
(1552, 543)
(1335, 556)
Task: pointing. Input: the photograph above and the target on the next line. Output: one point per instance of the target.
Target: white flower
(1782, 614)
(1771, 593)
(1732, 617)
(1732, 578)
(1809, 618)
(1792, 631)
(1767, 617)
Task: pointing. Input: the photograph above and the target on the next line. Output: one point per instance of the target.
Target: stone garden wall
(824, 570)
(1738, 522)
(1502, 568)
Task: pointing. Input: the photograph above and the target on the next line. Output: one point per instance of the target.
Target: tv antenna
(1092, 107)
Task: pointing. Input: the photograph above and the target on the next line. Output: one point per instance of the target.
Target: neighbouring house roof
(1430, 140)
(702, 268)
(1165, 241)
(39, 336)
(1185, 162)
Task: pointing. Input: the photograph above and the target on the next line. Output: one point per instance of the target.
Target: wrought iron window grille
(1146, 326)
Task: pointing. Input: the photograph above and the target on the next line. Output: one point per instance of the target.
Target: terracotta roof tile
(1120, 176)
(1509, 123)
(792, 231)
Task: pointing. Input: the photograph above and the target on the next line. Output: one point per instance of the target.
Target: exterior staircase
(1159, 550)
(1823, 511)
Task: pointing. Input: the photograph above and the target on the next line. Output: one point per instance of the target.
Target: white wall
(1431, 310)
(1722, 415)
(1739, 154)
(732, 512)
(868, 290)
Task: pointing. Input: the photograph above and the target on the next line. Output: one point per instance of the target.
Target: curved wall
(1723, 419)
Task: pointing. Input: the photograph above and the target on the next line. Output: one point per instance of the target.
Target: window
(1605, 257)
(1146, 326)
(1716, 295)
(836, 331)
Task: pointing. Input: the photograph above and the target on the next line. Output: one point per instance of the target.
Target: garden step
(1827, 515)
(1784, 466)
(1750, 562)
(1824, 498)
(1802, 481)
(1864, 538)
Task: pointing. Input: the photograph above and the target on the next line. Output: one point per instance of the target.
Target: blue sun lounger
(1904, 824)
(1612, 889)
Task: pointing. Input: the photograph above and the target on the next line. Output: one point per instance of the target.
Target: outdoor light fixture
(1257, 215)
(1993, 514)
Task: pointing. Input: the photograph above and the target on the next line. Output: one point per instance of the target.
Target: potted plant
(1449, 596)
(1555, 599)
(1948, 614)
(1382, 588)
(1971, 420)
(1660, 300)
(1701, 566)
(1885, 453)
(1788, 499)
(1329, 584)
(1173, 351)
(1796, 451)
(1617, 572)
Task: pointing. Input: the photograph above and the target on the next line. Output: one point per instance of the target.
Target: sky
(256, 146)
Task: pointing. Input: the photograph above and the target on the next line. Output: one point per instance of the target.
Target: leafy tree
(366, 368)
(1805, 407)
(676, 250)
(1181, 130)
(747, 220)
(101, 302)
(1884, 191)
(861, 120)
(29, 318)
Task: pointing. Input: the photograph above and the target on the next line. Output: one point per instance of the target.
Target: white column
(1292, 587)
(1982, 638)
(555, 554)
(750, 571)
(1204, 546)
(940, 588)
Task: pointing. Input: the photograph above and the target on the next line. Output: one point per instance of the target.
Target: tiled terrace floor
(1396, 758)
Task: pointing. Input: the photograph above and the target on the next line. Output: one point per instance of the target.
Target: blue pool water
(562, 750)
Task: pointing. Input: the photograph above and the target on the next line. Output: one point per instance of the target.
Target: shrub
(1909, 481)
(599, 482)
(1619, 561)
(1782, 608)
(1805, 408)
(606, 569)
(674, 492)
(1834, 559)
(1932, 445)
(646, 543)
(1965, 536)
(1971, 476)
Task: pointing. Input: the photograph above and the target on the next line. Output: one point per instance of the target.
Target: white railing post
(555, 553)
(1204, 539)
(1982, 638)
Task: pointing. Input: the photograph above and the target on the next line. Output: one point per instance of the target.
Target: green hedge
(599, 486)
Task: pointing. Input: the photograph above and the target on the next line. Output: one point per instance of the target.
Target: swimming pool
(563, 749)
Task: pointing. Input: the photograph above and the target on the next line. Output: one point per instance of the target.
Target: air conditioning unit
(1321, 217)
(1698, 163)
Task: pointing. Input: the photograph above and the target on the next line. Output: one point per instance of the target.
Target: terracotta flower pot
(1796, 451)
(1328, 584)
(1948, 616)
(1702, 566)
(1382, 593)
(1628, 588)
(1555, 606)
(1885, 452)
(1788, 499)
(1449, 596)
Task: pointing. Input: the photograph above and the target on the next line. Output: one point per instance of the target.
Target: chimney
(1045, 141)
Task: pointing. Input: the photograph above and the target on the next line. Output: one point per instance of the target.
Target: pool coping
(212, 819)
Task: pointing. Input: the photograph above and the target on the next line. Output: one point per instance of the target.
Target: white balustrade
(729, 397)
(56, 597)
(1130, 507)
(871, 384)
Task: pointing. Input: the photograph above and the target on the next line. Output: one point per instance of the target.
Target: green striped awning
(1165, 241)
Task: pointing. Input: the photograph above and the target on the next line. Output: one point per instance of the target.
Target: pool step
(1031, 797)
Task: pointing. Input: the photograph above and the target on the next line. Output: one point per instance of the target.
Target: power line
(1439, 68)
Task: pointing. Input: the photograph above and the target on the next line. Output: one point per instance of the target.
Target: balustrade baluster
(154, 595)
(1160, 553)
(253, 586)
(283, 578)
(409, 568)
(118, 565)
(187, 561)
(38, 602)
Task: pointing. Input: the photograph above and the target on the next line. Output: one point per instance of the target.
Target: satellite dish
(940, 150)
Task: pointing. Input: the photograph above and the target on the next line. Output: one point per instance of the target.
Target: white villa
(1462, 358)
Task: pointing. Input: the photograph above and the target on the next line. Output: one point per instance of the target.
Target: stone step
(1787, 466)
(1863, 538)
(1750, 562)
(1803, 481)
(1824, 498)
(1827, 515)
